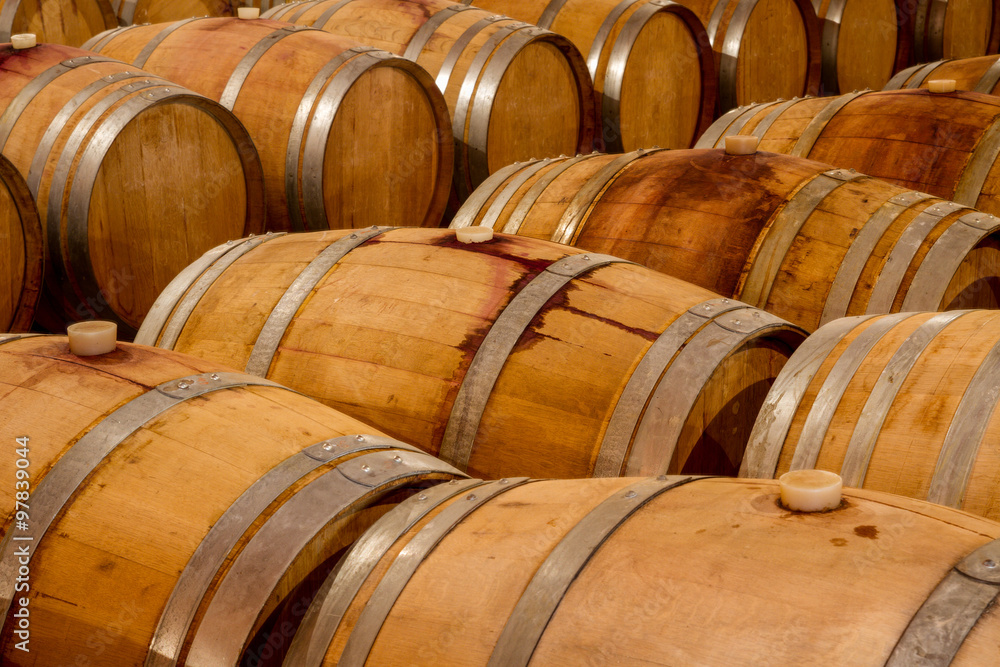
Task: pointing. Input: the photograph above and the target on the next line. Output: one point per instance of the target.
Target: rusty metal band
(58, 123)
(765, 264)
(328, 14)
(935, 28)
(919, 32)
(27, 94)
(153, 44)
(317, 136)
(443, 77)
(382, 599)
(883, 394)
(322, 620)
(642, 383)
(281, 315)
(427, 30)
(979, 166)
(614, 74)
(548, 16)
(488, 362)
(230, 616)
(239, 76)
(966, 433)
(782, 402)
(536, 607)
(816, 126)
(989, 80)
(574, 217)
(730, 52)
(939, 628)
(501, 201)
(923, 73)
(475, 203)
(890, 279)
(830, 43)
(64, 257)
(189, 590)
(860, 250)
(943, 259)
(523, 207)
(821, 412)
(763, 126)
(478, 106)
(601, 38)
(741, 122)
(684, 380)
(156, 319)
(715, 20)
(899, 80)
(713, 136)
(51, 494)
(175, 325)
(126, 11)
(101, 39)
(297, 134)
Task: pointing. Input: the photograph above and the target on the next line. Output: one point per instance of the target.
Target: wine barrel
(173, 504)
(515, 91)
(944, 144)
(670, 571)
(765, 49)
(862, 46)
(901, 403)
(69, 22)
(135, 12)
(950, 28)
(134, 176)
(651, 62)
(349, 136)
(794, 237)
(980, 75)
(507, 355)
(22, 251)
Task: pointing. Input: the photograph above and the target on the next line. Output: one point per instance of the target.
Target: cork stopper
(741, 145)
(23, 41)
(474, 234)
(248, 12)
(811, 490)
(941, 85)
(89, 339)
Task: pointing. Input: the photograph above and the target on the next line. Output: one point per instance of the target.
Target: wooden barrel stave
(472, 364)
(862, 46)
(120, 551)
(137, 12)
(340, 99)
(956, 29)
(22, 251)
(981, 75)
(69, 22)
(647, 613)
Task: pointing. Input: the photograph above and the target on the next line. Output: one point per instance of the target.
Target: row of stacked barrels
(181, 511)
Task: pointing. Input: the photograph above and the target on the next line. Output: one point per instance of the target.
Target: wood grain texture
(514, 91)
(127, 174)
(707, 573)
(950, 29)
(136, 12)
(968, 73)
(702, 215)
(110, 560)
(69, 22)
(382, 152)
(22, 251)
(862, 45)
(389, 333)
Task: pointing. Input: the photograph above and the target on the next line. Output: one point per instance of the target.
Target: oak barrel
(173, 504)
(22, 251)
(137, 12)
(980, 75)
(503, 356)
(945, 144)
(349, 136)
(764, 49)
(70, 22)
(797, 238)
(515, 91)
(950, 28)
(901, 403)
(651, 62)
(669, 571)
(134, 176)
(862, 45)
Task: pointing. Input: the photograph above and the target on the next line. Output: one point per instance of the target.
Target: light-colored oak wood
(714, 572)
(702, 215)
(514, 91)
(949, 28)
(70, 22)
(862, 46)
(133, 180)
(137, 12)
(104, 570)
(385, 153)
(908, 443)
(968, 74)
(22, 251)
(391, 330)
